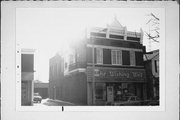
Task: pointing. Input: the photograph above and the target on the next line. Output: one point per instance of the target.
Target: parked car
(37, 98)
(129, 101)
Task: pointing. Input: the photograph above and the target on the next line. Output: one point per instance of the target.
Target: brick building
(152, 69)
(116, 57)
(56, 75)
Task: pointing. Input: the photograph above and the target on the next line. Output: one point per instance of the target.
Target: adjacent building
(104, 67)
(27, 76)
(56, 76)
(41, 88)
(152, 69)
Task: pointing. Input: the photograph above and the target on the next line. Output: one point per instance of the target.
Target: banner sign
(117, 73)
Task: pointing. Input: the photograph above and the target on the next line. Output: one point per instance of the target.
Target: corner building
(116, 57)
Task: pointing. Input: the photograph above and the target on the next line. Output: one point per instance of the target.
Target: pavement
(50, 102)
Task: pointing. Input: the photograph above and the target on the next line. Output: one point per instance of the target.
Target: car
(129, 101)
(37, 98)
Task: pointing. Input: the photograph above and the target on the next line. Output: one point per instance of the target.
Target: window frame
(99, 57)
(117, 52)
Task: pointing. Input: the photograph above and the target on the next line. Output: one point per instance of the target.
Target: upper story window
(133, 39)
(139, 58)
(116, 57)
(116, 36)
(99, 55)
(125, 57)
(98, 34)
(132, 58)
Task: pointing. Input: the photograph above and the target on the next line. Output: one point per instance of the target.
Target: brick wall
(74, 89)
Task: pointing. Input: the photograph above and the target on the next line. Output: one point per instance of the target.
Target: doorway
(110, 94)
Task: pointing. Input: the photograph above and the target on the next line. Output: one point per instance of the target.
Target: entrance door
(110, 95)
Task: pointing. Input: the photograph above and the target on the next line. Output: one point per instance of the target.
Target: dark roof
(151, 55)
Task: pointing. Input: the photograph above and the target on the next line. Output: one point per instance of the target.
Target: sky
(49, 30)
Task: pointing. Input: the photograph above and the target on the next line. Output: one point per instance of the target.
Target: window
(116, 56)
(132, 58)
(99, 55)
(89, 55)
(125, 57)
(133, 38)
(98, 34)
(116, 36)
(100, 91)
(139, 58)
(106, 56)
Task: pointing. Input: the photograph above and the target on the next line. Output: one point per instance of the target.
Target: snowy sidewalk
(51, 102)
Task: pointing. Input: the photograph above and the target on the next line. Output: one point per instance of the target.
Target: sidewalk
(51, 102)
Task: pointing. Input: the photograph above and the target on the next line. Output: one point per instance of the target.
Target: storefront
(113, 84)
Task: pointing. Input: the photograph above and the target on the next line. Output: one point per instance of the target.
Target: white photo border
(11, 41)
(161, 107)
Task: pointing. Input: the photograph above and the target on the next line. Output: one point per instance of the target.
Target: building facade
(27, 76)
(116, 57)
(152, 69)
(42, 89)
(56, 74)
(105, 66)
(118, 64)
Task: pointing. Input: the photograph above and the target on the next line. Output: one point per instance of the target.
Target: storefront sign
(118, 73)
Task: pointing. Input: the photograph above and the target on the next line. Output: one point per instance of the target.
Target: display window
(100, 91)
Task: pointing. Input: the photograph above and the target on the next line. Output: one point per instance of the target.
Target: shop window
(99, 55)
(100, 91)
(125, 57)
(116, 57)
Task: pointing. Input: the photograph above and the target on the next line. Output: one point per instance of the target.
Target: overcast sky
(49, 30)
